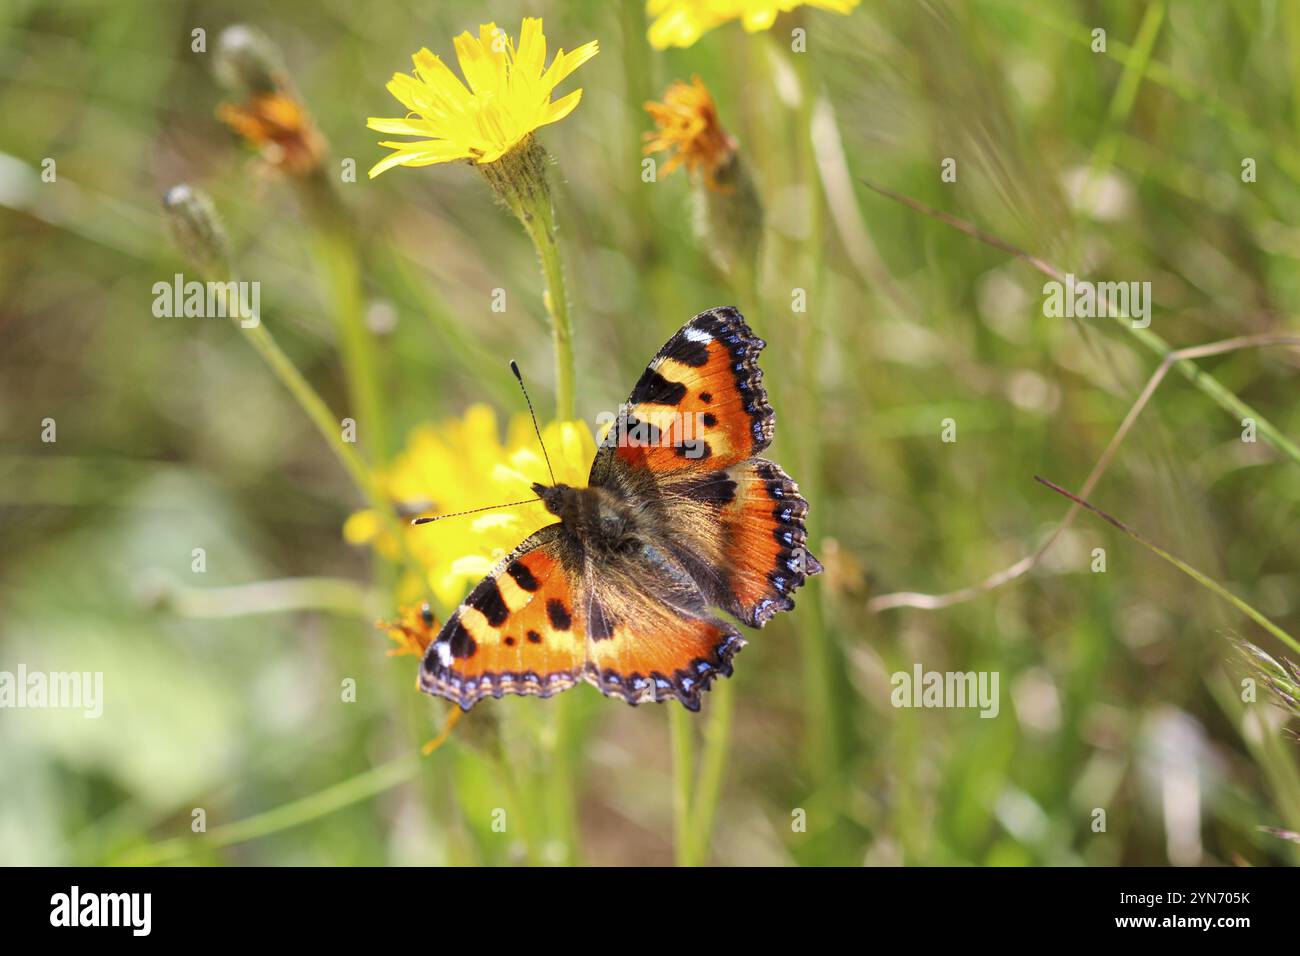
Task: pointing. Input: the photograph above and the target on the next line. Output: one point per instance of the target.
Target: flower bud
(197, 230)
(247, 63)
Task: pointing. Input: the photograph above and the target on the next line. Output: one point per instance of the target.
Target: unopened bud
(196, 229)
(247, 62)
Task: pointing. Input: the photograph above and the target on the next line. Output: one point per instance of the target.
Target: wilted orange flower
(280, 128)
(413, 631)
(689, 130)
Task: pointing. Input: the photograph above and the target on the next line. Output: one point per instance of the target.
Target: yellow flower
(689, 130)
(277, 125)
(682, 22)
(509, 96)
(462, 464)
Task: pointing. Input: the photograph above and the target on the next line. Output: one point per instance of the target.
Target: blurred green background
(1119, 689)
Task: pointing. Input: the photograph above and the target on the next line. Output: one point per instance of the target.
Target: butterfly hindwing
(765, 554)
(650, 635)
(740, 533)
(663, 658)
(516, 632)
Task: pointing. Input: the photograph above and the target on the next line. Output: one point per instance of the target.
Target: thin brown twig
(1081, 503)
(1200, 577)
(961, 225)
(1169, 359)
(931, 602)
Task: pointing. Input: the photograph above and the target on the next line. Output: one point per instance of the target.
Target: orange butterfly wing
(700, 404)
(765, 549)
(662, 656)
(515, 633)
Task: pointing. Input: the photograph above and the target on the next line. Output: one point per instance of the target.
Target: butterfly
(680, 516)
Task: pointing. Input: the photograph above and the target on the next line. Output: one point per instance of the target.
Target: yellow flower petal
(473, 566)
(402, 127)
(530, 57)
(755, 20)
(476, 63)
(683, 22)
(412, 94)
(688, 129)
(361, 528)
(566, 63)
(436, 75)
(424, 153)
(562, 107)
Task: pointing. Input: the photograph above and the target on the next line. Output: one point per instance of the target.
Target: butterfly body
(680, 517)
(599, 521)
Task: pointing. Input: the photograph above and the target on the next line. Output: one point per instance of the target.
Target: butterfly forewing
(515, 633)
(699, 405)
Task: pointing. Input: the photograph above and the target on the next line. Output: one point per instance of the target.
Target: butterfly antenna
(457, 514)
(514, 367)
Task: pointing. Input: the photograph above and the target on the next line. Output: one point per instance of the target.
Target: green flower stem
(742, 272)
(825, 737)
(353, 790)
(561, 782)
(519, 180)
(539, 222)
(197, 232)
(713, 765)
(325, 421)
(338, 260)
(521, 808)
(679, 730)
(542, 231)
(337, 595)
